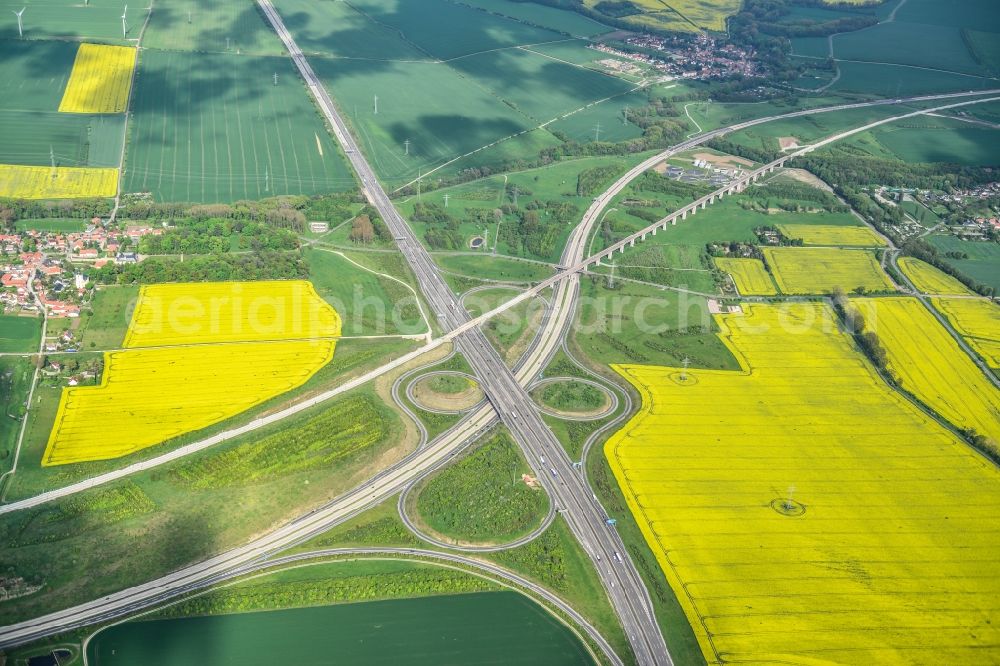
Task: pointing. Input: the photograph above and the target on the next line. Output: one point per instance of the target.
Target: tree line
(262, 265)
(216, 235)
(12, 210)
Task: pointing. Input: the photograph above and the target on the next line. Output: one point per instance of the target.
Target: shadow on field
(247, 27)
(43, 60)
(445, 125)
(517, 73)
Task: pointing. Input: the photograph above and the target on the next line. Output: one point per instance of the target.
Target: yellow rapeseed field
(927, 362)
(978, 321)
(151, 395)
(803, 511)
(196, 354)
(818, 270)
(100, 79)
(832, 234)
(37, 182)
(178, 314)
(930, 280)
(750, 276)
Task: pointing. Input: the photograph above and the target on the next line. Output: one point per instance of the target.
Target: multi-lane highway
(515, 408)
(565, 484)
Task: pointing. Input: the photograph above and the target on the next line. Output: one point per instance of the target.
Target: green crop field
(33, 74)
(941, 47)
(445, 30)
(981, 14)
(927, 47)
(982, 264)
(455, 118)
(482, 497)
(208, 127)
(990, 112)
(94, 21)
(574, 51)
(941, 140)
(75, 140)
(887, 80)
(190, 25)
(560, 20)
(985, 48)
(604, 121)
(812, 47)
(340, 29)
(29, 136)
(460, 627)
(542, 88)
(479, 96)
(556, 82)
(504, 155)
(19, 334)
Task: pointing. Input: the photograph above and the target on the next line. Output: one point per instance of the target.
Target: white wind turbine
(124, 23)
(20, 26)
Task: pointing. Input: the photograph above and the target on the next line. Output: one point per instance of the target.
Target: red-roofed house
(11, 280)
